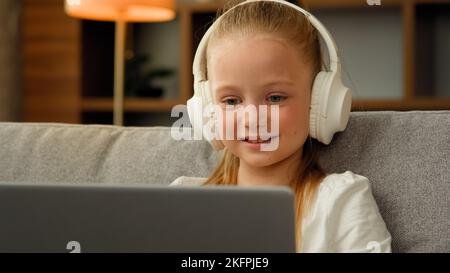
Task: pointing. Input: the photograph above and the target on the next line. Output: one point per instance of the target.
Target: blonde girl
(267, 53)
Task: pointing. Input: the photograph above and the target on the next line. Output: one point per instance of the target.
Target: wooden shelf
(160, 105)
(91, 104)
(429, 1)
(400, 105)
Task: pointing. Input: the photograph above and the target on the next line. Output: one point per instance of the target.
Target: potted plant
(140, 83)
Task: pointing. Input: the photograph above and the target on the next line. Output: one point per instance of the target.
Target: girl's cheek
(228, 125)
(286, 118)
(292, 118)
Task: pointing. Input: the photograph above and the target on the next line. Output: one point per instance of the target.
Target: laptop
(73, 218)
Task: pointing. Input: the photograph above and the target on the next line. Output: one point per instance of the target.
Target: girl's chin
(256, 160)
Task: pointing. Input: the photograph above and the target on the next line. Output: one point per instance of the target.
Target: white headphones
(330, 99)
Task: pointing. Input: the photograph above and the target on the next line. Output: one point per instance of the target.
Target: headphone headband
(199, 64)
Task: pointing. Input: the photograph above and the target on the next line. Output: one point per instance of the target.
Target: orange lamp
(121, 11)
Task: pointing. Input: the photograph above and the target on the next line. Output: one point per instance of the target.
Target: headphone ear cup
(205, 92)
(338, 111)
(193, 109)
(208, 99)
(329, 95)
(318, 91)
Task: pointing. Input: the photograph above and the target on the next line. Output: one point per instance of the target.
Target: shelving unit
(97, 73)
(130, 104)
(402, 50)
(422, 22)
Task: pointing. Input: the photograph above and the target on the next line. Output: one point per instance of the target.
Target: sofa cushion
(406, 156)
(63, 153)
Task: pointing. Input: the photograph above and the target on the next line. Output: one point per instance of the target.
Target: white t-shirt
(344, 217)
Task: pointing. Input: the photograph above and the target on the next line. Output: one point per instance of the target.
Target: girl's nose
(258, 116)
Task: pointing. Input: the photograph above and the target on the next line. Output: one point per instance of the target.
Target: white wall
(370, 44)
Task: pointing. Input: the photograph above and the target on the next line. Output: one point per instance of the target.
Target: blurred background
(56, 68)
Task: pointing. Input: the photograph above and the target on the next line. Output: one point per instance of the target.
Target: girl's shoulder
(188, 181)
(339, 182)
(345, 217)
(347, 189)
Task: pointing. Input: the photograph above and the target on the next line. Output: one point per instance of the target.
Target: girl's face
(262, 70)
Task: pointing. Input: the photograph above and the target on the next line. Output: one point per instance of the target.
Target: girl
(267, 53)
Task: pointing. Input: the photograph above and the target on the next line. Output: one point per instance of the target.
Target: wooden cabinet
(51, 65)
(403, 49)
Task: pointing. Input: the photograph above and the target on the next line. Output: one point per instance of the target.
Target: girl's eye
(276, 98)
(231, 101)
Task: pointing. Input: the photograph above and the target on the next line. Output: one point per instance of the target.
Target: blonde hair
(286, 23)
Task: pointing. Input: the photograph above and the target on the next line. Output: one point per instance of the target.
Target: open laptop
(143, 218)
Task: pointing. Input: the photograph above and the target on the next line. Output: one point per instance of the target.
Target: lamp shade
(123, 10)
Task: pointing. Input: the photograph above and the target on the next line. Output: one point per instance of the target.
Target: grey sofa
(405, 155)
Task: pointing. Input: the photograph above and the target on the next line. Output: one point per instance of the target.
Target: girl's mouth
(257, 141)
(257, 144)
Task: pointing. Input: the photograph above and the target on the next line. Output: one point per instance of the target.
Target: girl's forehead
(250, 41)
(261, 47)
(256, 57)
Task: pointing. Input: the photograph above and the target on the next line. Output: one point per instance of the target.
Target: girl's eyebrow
(267, 84)
(286, 82)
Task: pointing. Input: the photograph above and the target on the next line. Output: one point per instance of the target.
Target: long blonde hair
(283, 22)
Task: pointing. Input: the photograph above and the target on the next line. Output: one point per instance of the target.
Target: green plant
(141, 83)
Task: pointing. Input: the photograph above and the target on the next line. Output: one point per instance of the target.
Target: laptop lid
(144, 218)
